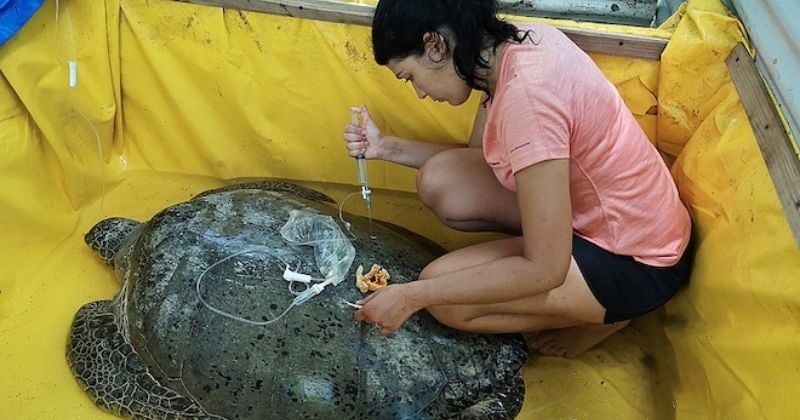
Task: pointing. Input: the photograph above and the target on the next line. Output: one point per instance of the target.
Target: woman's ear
(435, 46)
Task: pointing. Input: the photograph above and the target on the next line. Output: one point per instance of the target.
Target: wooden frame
(325, 10)
(773, 139)
(361, 14)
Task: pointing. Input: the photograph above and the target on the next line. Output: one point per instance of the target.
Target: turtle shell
(205, 306)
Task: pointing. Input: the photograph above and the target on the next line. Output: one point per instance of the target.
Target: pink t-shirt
(552, 102)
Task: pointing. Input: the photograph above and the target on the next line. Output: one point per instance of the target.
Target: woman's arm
(412, 153)
(368, 140)
(544, 202)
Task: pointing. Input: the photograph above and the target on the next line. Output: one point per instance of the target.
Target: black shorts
(625, 287)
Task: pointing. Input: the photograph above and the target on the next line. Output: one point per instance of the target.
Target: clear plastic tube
(333, 254)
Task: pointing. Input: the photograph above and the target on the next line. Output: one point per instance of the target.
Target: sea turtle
(200, 327)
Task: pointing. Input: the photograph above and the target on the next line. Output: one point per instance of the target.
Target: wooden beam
(616, 44)
(325, 10)
(361, 14)
(773, 139)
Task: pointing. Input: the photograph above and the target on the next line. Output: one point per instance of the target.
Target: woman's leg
(572, 300)
(569, 315)
(462, 191)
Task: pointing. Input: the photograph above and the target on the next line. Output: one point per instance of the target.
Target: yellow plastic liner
(172, 99)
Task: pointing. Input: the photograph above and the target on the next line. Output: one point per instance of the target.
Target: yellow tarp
(171, 99)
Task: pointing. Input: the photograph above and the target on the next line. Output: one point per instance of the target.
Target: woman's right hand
(364, 138)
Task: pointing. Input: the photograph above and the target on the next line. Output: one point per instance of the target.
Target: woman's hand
(365, 138)
(388, 308)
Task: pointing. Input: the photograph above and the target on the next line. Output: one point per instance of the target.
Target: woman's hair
(399, 25)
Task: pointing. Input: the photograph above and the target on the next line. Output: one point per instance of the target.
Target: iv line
(289, 275)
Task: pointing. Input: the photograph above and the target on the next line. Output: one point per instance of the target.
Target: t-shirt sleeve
(535, 126)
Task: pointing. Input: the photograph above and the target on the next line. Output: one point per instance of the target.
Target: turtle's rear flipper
(499, 407)
(111, 372)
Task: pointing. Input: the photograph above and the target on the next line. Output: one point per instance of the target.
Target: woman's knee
(435, 179)
(435, 268)
(457, 186)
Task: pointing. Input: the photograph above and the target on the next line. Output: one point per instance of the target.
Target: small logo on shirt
(526, 144)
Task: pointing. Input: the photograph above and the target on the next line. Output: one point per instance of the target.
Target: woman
(555, 158)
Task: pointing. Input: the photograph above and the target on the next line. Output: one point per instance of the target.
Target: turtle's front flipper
(108, 236)
(111, 372)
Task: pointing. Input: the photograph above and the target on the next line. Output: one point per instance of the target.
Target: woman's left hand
(387, 308)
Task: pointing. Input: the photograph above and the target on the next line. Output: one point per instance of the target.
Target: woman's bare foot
(573, 341)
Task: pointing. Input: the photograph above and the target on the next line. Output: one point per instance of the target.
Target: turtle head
(107, 236)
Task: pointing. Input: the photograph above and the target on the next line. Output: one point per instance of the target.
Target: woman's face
(432, 75)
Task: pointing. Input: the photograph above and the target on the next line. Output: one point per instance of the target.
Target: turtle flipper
(502, 406)
(111, 372)
(482, 384)
(108, 235)
(507, 392)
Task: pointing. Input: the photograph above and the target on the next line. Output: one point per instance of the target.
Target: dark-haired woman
(555, 158)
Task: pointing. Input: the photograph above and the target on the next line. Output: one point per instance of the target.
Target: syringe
(361, 168)
(361, 171)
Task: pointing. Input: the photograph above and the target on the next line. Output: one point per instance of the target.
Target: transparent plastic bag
(333, 252)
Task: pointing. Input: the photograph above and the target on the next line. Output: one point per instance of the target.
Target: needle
(353, 305)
